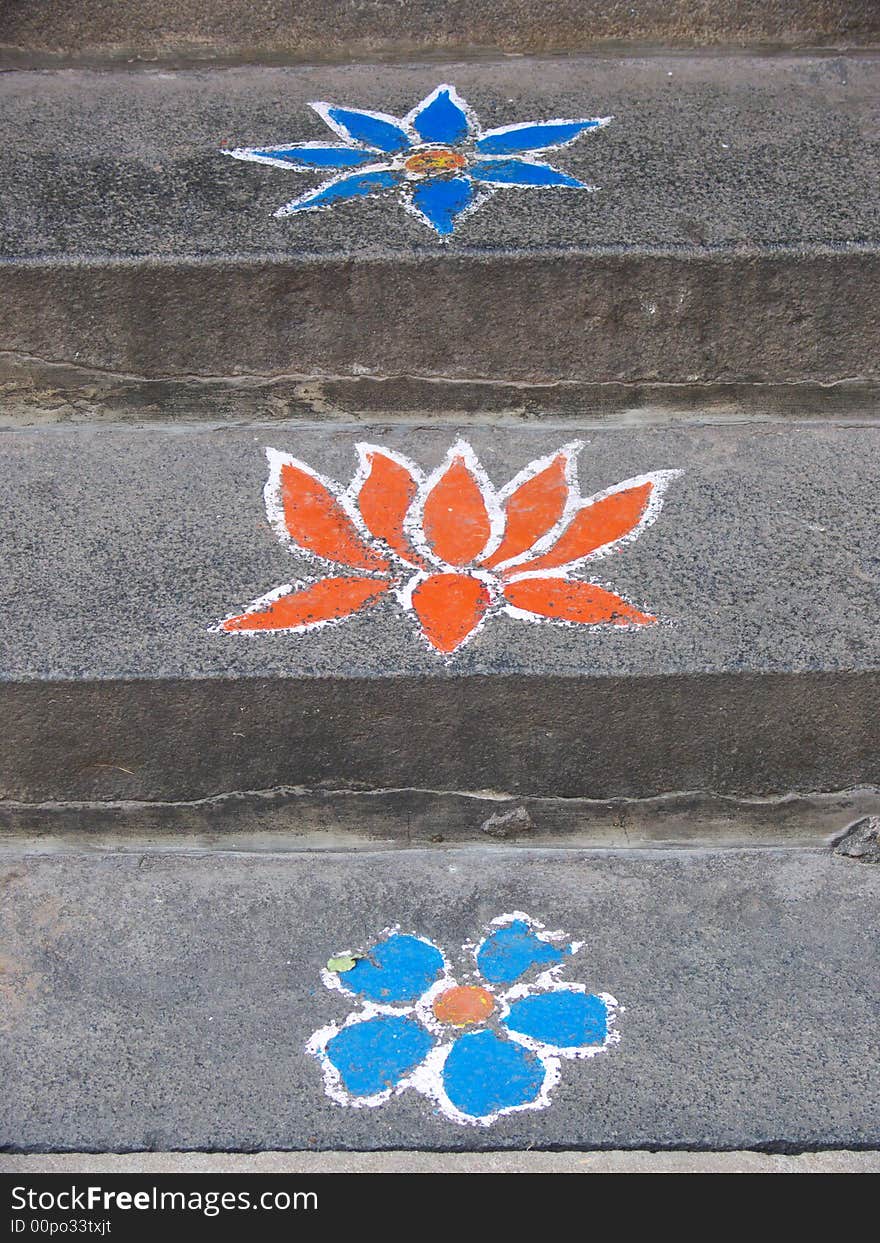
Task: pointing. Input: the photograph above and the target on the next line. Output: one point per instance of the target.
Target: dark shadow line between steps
(770, 1147)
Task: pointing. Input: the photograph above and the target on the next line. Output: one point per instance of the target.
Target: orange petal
(456, 521)
(327, 600)
(449, 606)
(576, 602)
(594, 526)
(385, 497)
(532, 510)
(316, 521)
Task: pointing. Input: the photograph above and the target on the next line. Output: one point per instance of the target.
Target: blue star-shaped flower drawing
(437, 160)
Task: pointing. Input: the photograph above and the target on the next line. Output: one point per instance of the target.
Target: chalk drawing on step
(437, 161)
(447, 547)
(479, 1041)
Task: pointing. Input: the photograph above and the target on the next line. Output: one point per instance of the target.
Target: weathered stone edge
(298, 819)
(748, 734)
(35, 392)
(177, 52)
(722, 317)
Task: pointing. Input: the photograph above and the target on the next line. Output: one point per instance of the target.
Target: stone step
(71, 31)
(733, 237)
(730, 647)
(160, 1002)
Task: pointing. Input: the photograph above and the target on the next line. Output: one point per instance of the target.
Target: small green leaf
(342, 962)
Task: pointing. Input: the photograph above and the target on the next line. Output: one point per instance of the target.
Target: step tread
(762, 558)
(166, 1002)
(705, 153)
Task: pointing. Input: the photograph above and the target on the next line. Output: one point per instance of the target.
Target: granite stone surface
(703, 152)
(123, 545)
(159, 1003)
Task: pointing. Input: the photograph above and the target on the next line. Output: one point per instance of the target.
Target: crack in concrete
(670, 798)
(19, 358)
(286, 818)
(39, 392)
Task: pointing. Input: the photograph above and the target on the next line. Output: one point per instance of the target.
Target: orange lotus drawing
(450, 548)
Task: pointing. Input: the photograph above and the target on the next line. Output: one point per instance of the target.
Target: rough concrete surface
(164, 1002)
(735, 193)
(287, 819)
(703, 152)
(833, 1162)
(35, 393)
(123, 546)
(65, 30)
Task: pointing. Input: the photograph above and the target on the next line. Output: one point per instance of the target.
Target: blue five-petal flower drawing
(478, 1043)
(437, 160)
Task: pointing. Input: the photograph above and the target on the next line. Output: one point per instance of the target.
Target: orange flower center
(464, 1004)
(437, 160)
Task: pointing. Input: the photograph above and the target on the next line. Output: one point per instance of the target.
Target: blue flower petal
(307, 155)
(440, 200)
(508, 953)
(375, 1055)
(441, 119)
(397, 970)
(520, 173)
(483, 1074)
(375, 131)
(532, 136)
(351, 187)
(565, 1019)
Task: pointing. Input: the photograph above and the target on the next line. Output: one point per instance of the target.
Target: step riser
(67, 31)
(586, 738)
(631, 318)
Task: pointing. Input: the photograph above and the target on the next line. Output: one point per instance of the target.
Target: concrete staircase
(557, 592)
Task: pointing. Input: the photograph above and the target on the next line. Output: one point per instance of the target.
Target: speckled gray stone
(123, 545)
(156, 1003)
(734, 235)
